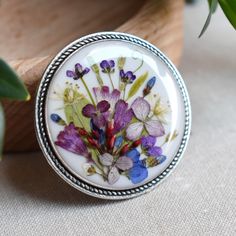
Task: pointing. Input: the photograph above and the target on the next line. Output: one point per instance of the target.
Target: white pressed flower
(161, 110)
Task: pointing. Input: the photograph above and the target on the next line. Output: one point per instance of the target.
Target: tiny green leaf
(212, 8)
(229, 9)
(74, 114)
(137, 84)
(10, 85)
(2, 128)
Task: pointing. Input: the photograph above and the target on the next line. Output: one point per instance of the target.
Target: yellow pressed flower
(161, 110)
(71, 94)
(89, 169)
(171, 136)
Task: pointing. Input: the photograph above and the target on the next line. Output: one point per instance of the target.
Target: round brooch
(113, 115)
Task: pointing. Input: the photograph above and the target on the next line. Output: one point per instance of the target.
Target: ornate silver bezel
(42, 132)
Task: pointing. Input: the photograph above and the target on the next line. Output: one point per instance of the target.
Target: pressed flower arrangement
(115, 137)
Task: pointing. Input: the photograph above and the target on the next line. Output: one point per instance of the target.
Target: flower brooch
(109, 122)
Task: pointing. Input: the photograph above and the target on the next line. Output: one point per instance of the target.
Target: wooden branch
(158, 21)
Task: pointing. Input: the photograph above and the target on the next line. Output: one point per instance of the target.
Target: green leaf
(2, 128)
(229, 9)
(212, 8)
(137, 84)
(10, 85)
(73, 112)
(95, 158)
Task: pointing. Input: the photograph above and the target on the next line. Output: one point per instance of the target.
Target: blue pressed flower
(149, 86)
(57, 119)
(138, 173)
(161, 159)
(133, 154)
(127, 77)
(119, 141)
(102, 137)
(54, 117)
(151, 82)
(107, 66)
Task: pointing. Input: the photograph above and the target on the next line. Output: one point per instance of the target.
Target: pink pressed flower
(141, 109)
(105, 94)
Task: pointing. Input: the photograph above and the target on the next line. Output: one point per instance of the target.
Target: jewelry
(113, 115)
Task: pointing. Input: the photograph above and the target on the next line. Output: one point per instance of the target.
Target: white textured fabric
(199, 198)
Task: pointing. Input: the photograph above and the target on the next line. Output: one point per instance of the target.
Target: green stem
(141, 64)
(124, 91)
(87, 89)
(163, 143)
(109, 75)
(73, 106)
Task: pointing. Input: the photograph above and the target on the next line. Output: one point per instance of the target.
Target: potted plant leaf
(11, 87)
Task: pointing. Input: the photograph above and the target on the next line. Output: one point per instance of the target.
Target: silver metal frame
(42, 132)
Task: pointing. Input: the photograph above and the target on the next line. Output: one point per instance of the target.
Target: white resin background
(166, 86)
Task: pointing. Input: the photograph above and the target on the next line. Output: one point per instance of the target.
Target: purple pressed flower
(141, 109)
(122, 115)
(154, 151)
(70, 140)
(105, 94)
(98, 114)
(78, 73)
(107, 66)
(148, 141)
(127, 77)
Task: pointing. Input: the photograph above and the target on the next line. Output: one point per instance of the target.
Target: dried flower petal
(155, 128)
(103, 106)
(148, 141)
(141, 108)
(124, 163)
(89, 110)
(122, 115)
(113, 175)
(138, 173)
(154, 151)
(70, 140)
(134, 131)
(106, 159)
(89, 169)
(133, 154)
